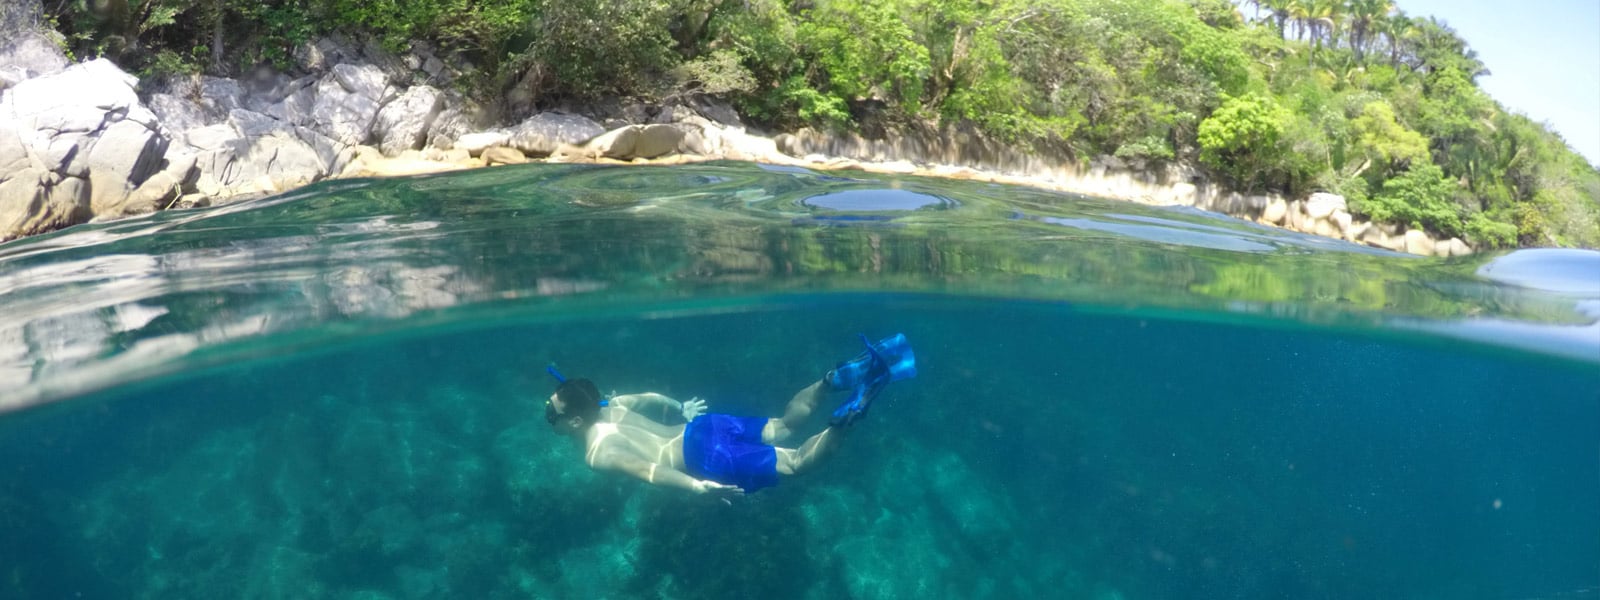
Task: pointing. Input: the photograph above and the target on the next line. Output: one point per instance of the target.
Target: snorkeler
(718, 454)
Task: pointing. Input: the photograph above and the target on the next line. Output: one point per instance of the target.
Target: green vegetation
(1294, 96)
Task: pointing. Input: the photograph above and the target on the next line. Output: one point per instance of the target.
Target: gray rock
(11, 75)
(433, 67)
(108, 193)
(341, 114)
(85, 144)
(1418, 242)
(737, 145)
(94, 84)
(365, 80)
(616, 113)
(1295, 217)
(703, 141)
(199, 103)
(282, 162)
(460, 116)
(657, 140)
(321, 54)
(1376, 236)
(717, 110)
(617, 143)
(194, 200)
(128, 151)
(60, 154)
(268, 90)
(212, 137)
(393, 67)
(220, 94)
(1322, 204)
(17, 16)
(34, 201)
(404, 123)
(1357, 230)
(254, 124)
(453, 155)
(545, 132)
(675, 113)
(255, 153)
(1342, 219)
(177, 113)
(268, 163)
(636, 141)
(1452, 247)
(476, 143)
(29, 54)
(14, 155)
(333, 154)
(502, 155)
(297, 104)
(789, 144)
(1276, 212)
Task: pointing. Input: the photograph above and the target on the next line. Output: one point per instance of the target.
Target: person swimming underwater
(717, 454)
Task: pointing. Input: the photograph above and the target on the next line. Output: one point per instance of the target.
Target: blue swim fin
(891, 355)
(890, 360)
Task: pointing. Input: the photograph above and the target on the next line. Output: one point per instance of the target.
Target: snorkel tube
(562, 379)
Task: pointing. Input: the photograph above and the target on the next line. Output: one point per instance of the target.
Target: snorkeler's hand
(693, 408)
(723, 491)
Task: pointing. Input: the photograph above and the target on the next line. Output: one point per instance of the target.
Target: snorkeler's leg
(794, 461)
(794, 415)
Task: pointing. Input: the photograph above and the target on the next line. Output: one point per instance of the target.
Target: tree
(1420, 198)
(1364, 15)
(1240, 136)
(1379, 138)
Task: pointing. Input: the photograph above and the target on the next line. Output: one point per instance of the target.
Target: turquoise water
(338, 393)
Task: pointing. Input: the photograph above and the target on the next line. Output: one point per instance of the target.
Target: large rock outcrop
(77, 144)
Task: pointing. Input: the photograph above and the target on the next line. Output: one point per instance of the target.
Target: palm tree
(1399, 29)
(1364, 15)
(1300, 12)
(1280, 12)
(1326, 14)
(1436, 46)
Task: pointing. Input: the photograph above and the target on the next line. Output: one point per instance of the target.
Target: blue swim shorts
(728, 449)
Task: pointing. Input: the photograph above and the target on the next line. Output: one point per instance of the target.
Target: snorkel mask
(550, 414)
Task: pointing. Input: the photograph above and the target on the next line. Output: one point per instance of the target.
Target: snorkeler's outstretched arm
(651, 404)
(661, 475)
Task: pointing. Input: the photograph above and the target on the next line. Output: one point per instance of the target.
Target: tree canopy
(1293, 96)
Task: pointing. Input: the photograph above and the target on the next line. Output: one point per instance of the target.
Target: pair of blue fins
(864, 376)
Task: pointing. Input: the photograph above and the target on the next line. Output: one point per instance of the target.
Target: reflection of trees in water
(567, 237)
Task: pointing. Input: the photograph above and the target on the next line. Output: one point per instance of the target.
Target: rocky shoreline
(78, 143)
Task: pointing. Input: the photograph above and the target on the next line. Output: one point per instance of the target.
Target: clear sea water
(337, 393)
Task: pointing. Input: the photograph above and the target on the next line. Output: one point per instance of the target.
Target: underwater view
(341, 392)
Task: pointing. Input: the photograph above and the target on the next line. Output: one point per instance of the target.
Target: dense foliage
(1351, 96)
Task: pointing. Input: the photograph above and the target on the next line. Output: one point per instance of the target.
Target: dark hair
(581, 398)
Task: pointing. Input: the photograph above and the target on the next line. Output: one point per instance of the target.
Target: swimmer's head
(574, 406)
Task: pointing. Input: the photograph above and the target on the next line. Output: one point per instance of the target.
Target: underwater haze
(338, 393)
